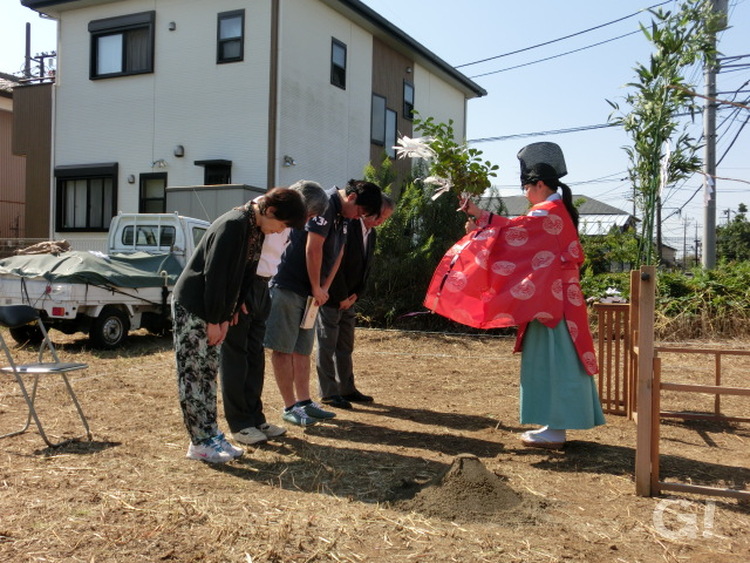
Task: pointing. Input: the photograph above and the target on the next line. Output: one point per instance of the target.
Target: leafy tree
(663, 152)
(410, 244)
(615, 251)
(383, 175)
(456, 162)
(733, 239)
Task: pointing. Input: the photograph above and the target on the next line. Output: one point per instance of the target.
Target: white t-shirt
(270, 254)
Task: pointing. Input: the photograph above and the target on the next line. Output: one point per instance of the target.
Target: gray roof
(518, 205)
(591, 206)
(601, 224)
(7, 83)
(355, 7)
(417, 48)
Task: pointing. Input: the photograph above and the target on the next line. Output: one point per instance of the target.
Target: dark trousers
(243, 361)
(334, 329)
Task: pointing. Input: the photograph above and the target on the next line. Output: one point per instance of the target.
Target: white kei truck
(105, 295)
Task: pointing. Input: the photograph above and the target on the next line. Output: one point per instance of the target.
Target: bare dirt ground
(432, 471)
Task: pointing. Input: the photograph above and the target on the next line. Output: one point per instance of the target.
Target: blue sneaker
(296, 415)
(314, 410)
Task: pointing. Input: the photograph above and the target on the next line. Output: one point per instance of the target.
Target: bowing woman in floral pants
(208, 297)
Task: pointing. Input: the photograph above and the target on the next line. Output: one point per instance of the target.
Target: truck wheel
(110, 328)
(27, 333)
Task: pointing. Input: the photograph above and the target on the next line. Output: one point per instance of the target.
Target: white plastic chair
(14, 316)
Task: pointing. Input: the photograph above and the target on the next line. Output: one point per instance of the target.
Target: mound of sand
(466, 492)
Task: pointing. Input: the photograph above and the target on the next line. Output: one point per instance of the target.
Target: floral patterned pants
(197, 366)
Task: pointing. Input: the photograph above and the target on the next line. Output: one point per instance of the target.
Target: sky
(567, 91)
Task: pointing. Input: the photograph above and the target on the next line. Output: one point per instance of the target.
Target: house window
(122, 46)
(230, 37)
(390, 132)
(86, 197)
(408, 100)
(217, 171)
(377, 125)
(152, 195)
(338, 63)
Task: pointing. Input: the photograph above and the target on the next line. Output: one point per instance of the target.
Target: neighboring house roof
(351, 7)
(427, 56)
(515, 205)
(601, 224)
(591, 206)
(7, 83)
(595, 217)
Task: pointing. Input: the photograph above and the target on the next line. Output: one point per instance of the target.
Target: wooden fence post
(647, 292)
(635, 303)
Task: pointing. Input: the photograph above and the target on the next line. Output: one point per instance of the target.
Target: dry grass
(369, 486)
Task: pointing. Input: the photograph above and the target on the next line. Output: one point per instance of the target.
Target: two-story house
(12, 173)
(258, 92)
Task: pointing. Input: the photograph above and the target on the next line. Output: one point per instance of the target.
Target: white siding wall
(326, 129)
(436, 98)
(214, 111)
(221, 111)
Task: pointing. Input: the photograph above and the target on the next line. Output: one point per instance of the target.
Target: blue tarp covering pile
(119, 270)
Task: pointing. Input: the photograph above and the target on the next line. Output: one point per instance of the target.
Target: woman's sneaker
(231, 449)
(209, 450)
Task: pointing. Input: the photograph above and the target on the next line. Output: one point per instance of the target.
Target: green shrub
(410, 245)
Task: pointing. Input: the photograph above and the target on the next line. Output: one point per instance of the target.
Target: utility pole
(709, 161)
(697, 247)
(38, 73)
(685, 222)
(27, 63)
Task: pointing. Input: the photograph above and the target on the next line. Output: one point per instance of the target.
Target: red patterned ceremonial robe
(512, 271)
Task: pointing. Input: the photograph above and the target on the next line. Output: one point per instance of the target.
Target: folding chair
(14, 316)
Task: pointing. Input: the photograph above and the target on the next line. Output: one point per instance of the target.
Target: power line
(561, 38)
(732, 58)
(542, 133)
(697, 111)
(555, 131)
(731, 144)
(556, 56)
